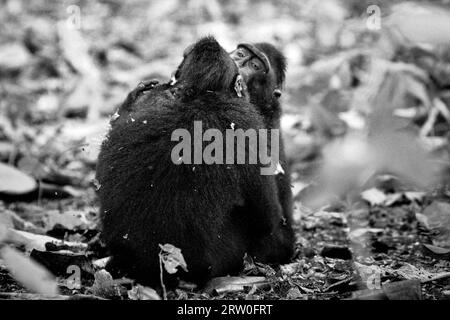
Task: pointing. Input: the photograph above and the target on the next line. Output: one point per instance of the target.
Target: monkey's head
(263, 68)
(207, 67)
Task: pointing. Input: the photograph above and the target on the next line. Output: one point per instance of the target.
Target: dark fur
(261, 89)
(214, 213)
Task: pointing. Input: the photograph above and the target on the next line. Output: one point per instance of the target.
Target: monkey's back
(146, 199)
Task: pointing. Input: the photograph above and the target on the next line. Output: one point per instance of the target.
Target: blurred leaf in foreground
(421, 22)
(15, 182)
(29, 273)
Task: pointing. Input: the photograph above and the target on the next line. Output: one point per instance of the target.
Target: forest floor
(385, 246)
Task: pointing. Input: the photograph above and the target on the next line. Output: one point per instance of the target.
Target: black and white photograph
(225, 158)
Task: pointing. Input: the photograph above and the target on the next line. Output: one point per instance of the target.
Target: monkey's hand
(143, 86)
(136, 92)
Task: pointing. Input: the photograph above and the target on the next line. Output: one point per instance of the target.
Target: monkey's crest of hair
(206, 67)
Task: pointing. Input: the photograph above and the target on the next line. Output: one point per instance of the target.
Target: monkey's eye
(256, 65)
(242, 53)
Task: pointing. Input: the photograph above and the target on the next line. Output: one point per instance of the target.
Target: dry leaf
(143, 293)
(374, 196)
(104, 285)
(15, 182)
(172, 258)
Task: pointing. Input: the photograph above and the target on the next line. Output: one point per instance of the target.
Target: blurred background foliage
(367, 89)
(366, 104)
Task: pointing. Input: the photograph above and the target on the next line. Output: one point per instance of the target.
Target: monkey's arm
(274, 241)
(265, 210)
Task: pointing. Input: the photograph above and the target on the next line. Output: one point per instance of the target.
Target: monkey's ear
(238, 85)
(277, 93)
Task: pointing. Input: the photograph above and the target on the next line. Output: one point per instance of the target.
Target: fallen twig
(439, 277)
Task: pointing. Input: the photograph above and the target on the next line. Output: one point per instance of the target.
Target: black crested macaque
(215, 213)
(263, 68)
